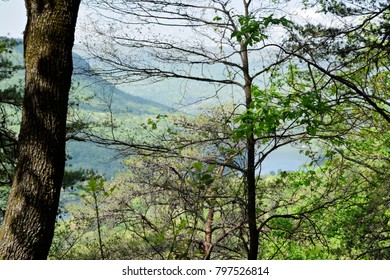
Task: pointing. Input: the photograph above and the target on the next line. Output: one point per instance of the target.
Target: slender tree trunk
(251, 190)
(208, 245)
(251, 200)
(29, 222)
(250, 174)
(98, 222)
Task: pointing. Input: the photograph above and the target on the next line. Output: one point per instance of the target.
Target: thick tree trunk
(29, 222)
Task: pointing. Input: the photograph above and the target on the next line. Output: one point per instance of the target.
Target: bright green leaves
(262, 118)
(246, 122)
(309, 108)
(252, 31)
(276, 21)
(152, 123)
(264, 115)
(94, 188)
(279, 106)
(202, 175)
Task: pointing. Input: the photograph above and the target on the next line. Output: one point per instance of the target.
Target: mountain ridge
(90, 97)
(83, 79)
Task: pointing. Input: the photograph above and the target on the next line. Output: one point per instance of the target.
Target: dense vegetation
(192, 185)
(10, 102)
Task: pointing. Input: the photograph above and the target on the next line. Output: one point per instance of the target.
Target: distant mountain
(88, 84)
(97, 98)
(94, 96)
(85, 84)
(135, 103)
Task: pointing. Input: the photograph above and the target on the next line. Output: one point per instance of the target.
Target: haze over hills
(101, 101)
(190, 97)
(86, 83)
(94, 98)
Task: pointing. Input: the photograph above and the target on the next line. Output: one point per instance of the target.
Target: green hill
(98, 101)
(94, 99)
(101, 92)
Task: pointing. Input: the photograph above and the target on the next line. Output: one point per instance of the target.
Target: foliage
(252, 31)
(358, 58)
(163, 204)
(10, 102)
(332, 111)
(163, 201)
(349, 221)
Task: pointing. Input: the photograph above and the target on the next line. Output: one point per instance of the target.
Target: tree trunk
(250, 177)
(29, 222)
(251, 202)
(250, 174)
(208, 245)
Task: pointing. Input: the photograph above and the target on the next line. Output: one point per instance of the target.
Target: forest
(153, 138)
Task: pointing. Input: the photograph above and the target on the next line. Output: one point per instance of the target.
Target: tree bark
(250, 174)
(208, 245)
(29, 222)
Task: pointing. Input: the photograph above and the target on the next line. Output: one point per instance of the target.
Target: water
(286, 158)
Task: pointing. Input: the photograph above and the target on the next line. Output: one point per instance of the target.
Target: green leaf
(207, 179)
(198, 166)
(311, 130)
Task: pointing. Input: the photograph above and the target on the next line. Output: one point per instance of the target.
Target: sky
(12, 18)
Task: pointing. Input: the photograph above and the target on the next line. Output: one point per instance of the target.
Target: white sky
(12, 18)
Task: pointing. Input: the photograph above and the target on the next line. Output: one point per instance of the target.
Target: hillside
(88, 85)
(85, 84)
(100, 101)
(93, 99)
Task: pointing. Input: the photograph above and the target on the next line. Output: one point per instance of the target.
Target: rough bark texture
(29, 222)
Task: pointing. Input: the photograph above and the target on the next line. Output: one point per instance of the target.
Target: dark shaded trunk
(251, 200)
(250, 177)
(250, 174)
(29, 222)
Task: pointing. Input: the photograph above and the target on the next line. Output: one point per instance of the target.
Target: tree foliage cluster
(294, 90)
(192, 207)
(10, 102)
